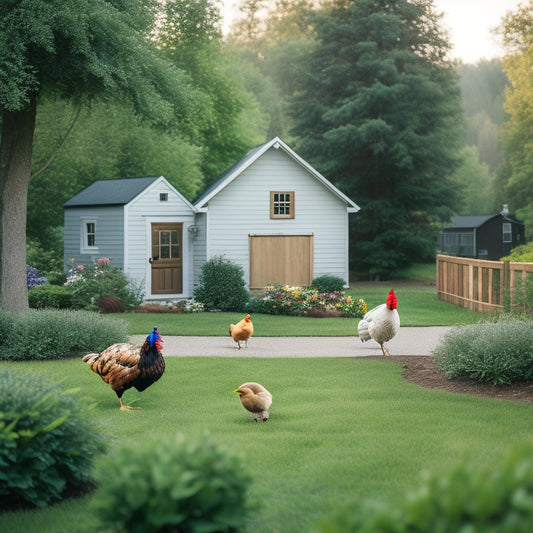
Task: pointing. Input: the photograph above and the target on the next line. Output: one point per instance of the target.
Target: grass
(417, 305)
(340, 429)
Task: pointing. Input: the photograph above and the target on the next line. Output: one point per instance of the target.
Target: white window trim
(85, 248)
(507, 232)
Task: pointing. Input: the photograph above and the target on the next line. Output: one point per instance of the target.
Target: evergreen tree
(378, 112)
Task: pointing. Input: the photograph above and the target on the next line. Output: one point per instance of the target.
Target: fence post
(507, 289)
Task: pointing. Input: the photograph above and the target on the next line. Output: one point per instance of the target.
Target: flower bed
(307, 301)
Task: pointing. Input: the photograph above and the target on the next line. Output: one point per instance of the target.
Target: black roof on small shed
(110, 192)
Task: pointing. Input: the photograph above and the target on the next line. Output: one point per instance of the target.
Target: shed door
(285, 259)
(166, 260)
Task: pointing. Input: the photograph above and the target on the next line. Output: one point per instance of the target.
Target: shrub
(466, 498)
(305, 301)
(51, 297)
(89, 283)
(328, 283)
(221, 285)
(173, 484)
(33, 279)
(500, 352)
(57, 334)
(46, 444)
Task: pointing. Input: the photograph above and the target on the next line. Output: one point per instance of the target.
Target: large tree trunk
(15, 166)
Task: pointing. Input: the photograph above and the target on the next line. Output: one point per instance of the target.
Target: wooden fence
(484, 285)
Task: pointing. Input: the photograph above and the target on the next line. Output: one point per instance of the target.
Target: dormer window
(163, 197)
(282, 204)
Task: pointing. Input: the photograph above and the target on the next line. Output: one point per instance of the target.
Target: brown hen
(242, 331)
(123, 366)
(256, 399)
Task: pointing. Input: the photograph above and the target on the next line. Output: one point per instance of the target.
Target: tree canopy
(517, 32)
(377, 110)
(81, 49)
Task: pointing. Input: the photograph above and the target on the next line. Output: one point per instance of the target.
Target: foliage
(51, 297)
(173, 484)
(306, 301)
(51, 259)
(498, 353)
(221, 285)
(33, 279)
(328, 283)
(89, 283)
(464, 498)
(482, 93)
(46, 444)
(56, 334)
(377, 111)
(517, 33)
(521, 254)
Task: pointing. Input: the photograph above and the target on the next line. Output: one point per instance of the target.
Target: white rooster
(381, 323)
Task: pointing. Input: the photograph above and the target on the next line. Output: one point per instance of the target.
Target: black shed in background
(488, 237)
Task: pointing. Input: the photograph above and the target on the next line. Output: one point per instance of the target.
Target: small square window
(163, 197)
(282, 204)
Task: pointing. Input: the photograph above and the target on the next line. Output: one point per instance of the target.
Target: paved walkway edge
(409, 341)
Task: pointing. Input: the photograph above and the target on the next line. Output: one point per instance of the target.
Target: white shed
(271, 213)
(277, 217)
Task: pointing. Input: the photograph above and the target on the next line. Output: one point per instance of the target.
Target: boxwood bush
(50, 297)
(57, 334)
(47, 446)
(173, 484)
(468, 498)
(498, 353)
(328, 283)
(221, 285)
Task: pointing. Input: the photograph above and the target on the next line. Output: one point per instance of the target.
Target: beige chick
(242, 331)
(256, 399)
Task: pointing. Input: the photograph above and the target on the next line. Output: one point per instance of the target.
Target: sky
(468, 22)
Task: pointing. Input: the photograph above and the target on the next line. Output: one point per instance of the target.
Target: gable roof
(240, 166)
(110, 192)
(476, 221)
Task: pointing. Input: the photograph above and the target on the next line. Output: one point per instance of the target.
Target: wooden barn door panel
(166, 259)
(285, 259)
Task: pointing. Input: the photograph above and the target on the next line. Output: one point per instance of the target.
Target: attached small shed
(488, 237)
(143, 225)
(271, 213)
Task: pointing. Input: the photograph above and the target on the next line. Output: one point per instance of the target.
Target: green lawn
(417, 305)
(340, 429)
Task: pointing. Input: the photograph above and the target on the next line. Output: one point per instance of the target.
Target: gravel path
(409, 341)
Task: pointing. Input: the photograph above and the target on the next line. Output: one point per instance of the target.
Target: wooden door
(167, 258)
(285, 259)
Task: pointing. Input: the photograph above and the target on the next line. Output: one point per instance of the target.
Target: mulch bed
(422, 371)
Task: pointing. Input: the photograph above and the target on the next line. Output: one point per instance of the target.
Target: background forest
(364, 91)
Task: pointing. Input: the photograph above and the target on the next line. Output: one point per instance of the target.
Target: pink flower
(79, 268)
(103, 260)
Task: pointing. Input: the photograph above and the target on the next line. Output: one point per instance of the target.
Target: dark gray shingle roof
(110, 192)
(476, 221)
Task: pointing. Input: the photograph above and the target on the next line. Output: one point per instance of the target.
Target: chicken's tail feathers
(362, 330)
(90, 357)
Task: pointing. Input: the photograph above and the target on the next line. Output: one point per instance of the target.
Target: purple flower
(33, 279)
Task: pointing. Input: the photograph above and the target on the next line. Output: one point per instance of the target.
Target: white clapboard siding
(242, 209)
(140, 213)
